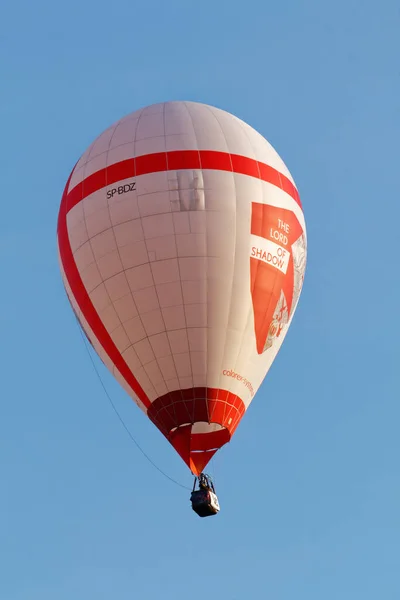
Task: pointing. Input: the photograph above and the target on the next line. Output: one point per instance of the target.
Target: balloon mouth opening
(196, 443)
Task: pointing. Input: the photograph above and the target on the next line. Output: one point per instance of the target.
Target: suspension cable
(147, 457)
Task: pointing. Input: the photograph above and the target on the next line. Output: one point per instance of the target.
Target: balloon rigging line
(121, 419)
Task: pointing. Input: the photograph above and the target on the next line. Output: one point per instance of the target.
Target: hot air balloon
(182, 248)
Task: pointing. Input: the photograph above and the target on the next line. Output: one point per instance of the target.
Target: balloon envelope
(182, 246)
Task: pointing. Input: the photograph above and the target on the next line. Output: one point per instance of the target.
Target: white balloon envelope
(182, 246)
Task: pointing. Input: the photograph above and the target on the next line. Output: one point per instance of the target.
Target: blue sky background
(310, 485)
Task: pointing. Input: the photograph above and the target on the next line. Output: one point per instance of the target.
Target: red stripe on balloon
(86, 306)
(178, 160)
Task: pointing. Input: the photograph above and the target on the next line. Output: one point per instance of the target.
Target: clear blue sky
(310, 485)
